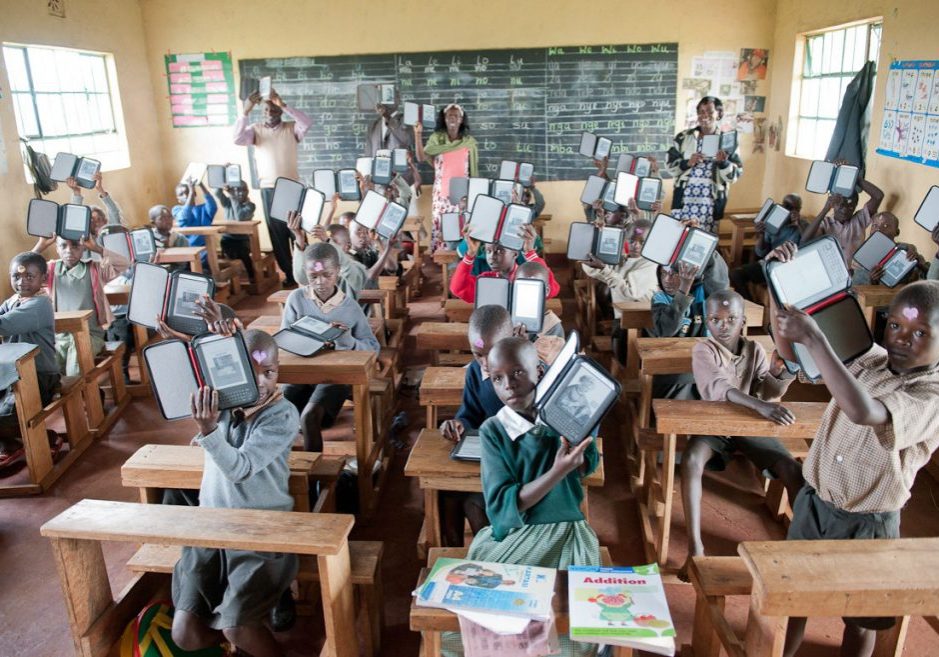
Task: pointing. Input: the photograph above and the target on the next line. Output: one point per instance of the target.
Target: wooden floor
(32, 615)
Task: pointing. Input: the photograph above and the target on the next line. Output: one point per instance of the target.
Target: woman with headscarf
(455, 155)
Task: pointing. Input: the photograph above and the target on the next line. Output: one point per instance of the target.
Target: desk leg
(668, 491)
(196, 264)
(432, 517)
(338, 610)
(431, 417)
(890, 642)
(91, 394)
(28, 406)
(364, 444)
(445, 281)
(736, 244)
(85, 586)
(141, 337)
(645, 401)
(766, 635)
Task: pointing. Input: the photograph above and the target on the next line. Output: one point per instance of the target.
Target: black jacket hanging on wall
(849, 139)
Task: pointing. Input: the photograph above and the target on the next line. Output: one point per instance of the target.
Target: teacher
(455, 155)
(701, 183)
(275, 152)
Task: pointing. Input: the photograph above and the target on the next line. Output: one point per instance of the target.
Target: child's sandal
(10, 457)
(55, 442)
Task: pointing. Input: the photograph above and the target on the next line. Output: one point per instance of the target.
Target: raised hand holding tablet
(294, 220)
(796, 325)
(528, 235)
(167, 333)
(569, 459)
(686, 274)
(205, 411)
(594, 262)
(783, 253)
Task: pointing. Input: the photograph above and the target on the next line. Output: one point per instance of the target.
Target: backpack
(148, 635)
(40, 169)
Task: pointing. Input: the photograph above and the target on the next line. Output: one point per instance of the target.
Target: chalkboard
(525, 105)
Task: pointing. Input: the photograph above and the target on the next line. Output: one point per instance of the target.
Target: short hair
(725, 297)
(322, 251)
(921, 294)
(486, 320)
(532, 269)
(27, 258)
(348, 215)
(718, 105)
(645, 224)
(336, 228)
(793, 199)
(155, 211)
(258, 340)
(523, 348)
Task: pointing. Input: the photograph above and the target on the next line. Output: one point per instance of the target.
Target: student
(27, 317)
(502, 262)
(880, 428)
(99, 218)
(162, 221)
(322, 299)
(237, 207)
(487, 326)
(532, 477)
(791, 231)
(888, 224)
(551, 326)
(77, 284)
(846, 225)
(361, 244)
(729, 367)
(353, 277)
(635, 279)
(188, 213)
(229, 593)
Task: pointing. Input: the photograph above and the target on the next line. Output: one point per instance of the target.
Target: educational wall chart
(202, 89)
(909, 129)
(527, 105)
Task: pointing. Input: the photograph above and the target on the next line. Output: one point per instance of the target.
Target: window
(63, 102)
(829, 61)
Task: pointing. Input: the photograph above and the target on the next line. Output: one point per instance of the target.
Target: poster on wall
(909, 127)
(202, 89)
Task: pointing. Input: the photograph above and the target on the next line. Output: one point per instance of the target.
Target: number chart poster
(909, 129)
(202, 89)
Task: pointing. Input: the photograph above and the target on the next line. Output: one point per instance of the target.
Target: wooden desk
(119, 295)
(803, 579)
(430, 462)
(441, 386)
(264, 277)
(212, 240)
(97, 620)
(76, 322)
(33, 436)
(741, 229)
(458, 310)
(438, 337)
(674, 417)
(191, 255)
(444, 258)
(872, 297)
(357, 369)
(366, 297)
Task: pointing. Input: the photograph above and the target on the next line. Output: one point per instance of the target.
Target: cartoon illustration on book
(473, 574)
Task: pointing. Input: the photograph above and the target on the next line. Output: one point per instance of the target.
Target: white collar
(514, 424)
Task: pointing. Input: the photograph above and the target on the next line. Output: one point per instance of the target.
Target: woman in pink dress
(455, 154)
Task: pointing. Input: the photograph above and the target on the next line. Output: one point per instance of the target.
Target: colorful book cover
(620, 606)
(461, 585)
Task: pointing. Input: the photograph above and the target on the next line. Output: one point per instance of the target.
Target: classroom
(366, 295)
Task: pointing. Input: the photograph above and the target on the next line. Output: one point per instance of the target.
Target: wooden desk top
(179, 254)
(874, 296)
(239, 529)
(72, 321)
(680, 416)
(638, 314)
(211, 229)
(279, 297)
(21, 356)
(116, 293)
(898, 577)
(443, 335)
(442, 385)
(234, 226)
(445, 256)
(673, 355)
(180, 466)
(348, 367)
(430, 458)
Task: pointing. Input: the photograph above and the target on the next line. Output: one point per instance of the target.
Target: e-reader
(459, 189)
(609, 198)
(85, 174)
(307, 336)
(136, 245)
(378, 214)
(451, 226)
(399, 160)
(669, 242)
(348, 185)
(493, 291)
(69, 221)
(265, 86)
(580, 240)
(468, 447)
(485, 218)
(927, 215)
(215, 176)
(648, 192)
(226, 367)
(83, 169)
(527, 303)
(594, 147)
(381, 170)
(324, 180)
(194, 173)
(772, 215)
(515, 218)
(634, 164)
(827, 178)
(593, 190)
(248, 86)
(415, 113)
(609, 244)
(728, 141)
(156, 292)
(710, 145)
(626, 186)
(880, 250)
(520, 172)
(504, 190)
(288, 197)
(364, 166)
(172, 377)
(311, 212)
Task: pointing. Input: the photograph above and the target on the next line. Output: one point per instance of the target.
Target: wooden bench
(227, 284)
(441, 387)
(97, 620)
(431, 621)
(676, 417)
(458, 310)
(813, 578)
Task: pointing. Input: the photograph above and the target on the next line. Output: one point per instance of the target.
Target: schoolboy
(888, 224)
(729, 367)
(353, 277)
(322, 299)
(502, 262)
(229, 593)
(237, 207)
(75, 283)
(551, 326)
(880, 428)
(189, 213)
(162, 221)
(845, 224)
(99, 218)
(27, 317)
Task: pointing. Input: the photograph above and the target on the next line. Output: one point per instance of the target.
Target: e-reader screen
(451, 227)
(642, 167)
(729, 141)
(298, 343)
(604, 146)
(580, 240)
(63, 166)
(844, 180)
(428, 116)
(582, 398)
(710, 144)
(76, 221)
(364, 166)
(662, 239)
(171, 377)
(412, 113)
(484, 219)
(116, 242)
(313, 325)
(528, 303)
(387, 94)
(588, 144)
(477, 187)
(610, 244)
(144, 244)
(391, 220)
(516, 218)
(42, 216)
(927, 215)
(87, 168)
(697, 248)
(222, 362)
(492, 291)
(874, 249)
(233, 174)
(650, 189)
(626, 184)
(147, 293)
(459, 188)
(381, 170)
(776, 218)
(312, 210)
(288, 195)
(507, 170)
(593, 189)
(348, 185)
(399, 160)
(525, 172)
(324, 180)
(896, 268)
(469, 448)
(502, 190)
(819, 179)
(817, 272)
(567, 352)
(189, 289)
(370, 209)
(215, 175)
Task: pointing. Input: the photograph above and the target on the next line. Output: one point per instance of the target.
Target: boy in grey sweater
(323, 300)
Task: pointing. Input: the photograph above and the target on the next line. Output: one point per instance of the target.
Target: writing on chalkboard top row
(614, 50)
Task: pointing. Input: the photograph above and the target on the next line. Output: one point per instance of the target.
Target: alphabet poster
(909, 128)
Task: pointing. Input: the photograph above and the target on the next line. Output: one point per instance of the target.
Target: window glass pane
(834, 55)
(69, 69)
(52, 146)
(16, 69)
(823, 132)
(105, 113)
(25, 115)
(805, 137)
(829, 97)
(813, 56)
(99, 73)
(809, 103)
(847, 62)
(86, 145)
(874, 51)
(51, 115)
(42, 67)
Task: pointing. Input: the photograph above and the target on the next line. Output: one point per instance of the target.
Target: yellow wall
(365, 26)
(100, 25)
(908, 33)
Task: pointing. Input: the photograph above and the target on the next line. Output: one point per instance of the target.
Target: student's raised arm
(876, 195)
(566, 460)
(812, 229)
